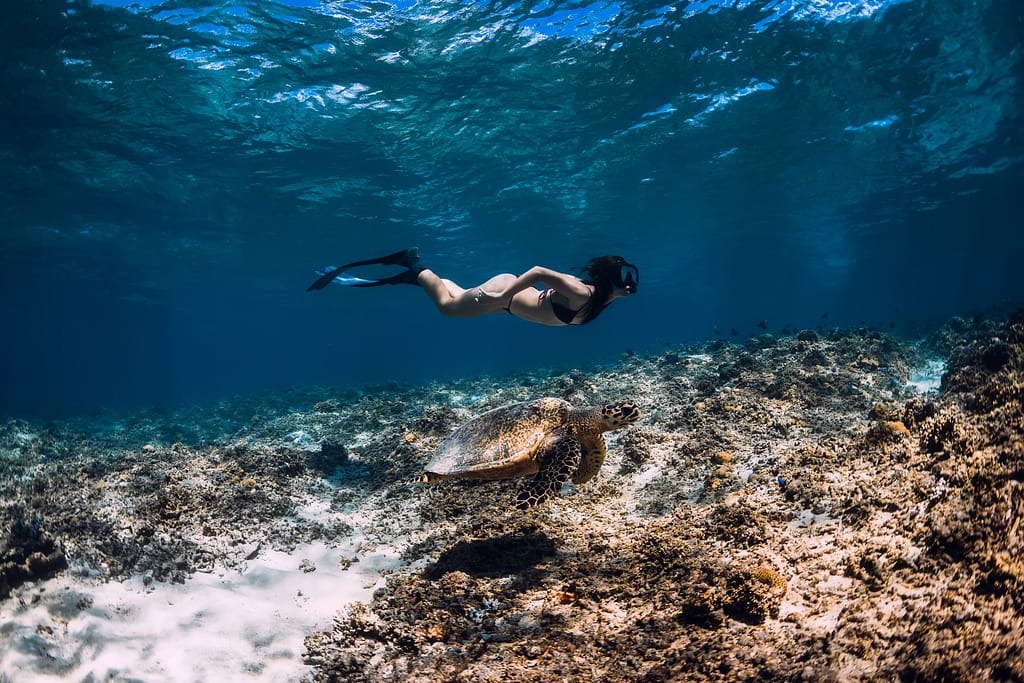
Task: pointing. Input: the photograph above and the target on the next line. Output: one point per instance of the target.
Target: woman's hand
(482, 296)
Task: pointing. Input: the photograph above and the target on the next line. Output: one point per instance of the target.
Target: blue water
(173, 173)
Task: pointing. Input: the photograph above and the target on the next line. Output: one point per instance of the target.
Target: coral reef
(27, 552)
(789, 508)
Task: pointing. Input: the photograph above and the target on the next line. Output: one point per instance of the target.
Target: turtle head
(615, 415)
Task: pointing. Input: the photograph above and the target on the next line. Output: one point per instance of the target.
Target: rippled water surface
(173, 173)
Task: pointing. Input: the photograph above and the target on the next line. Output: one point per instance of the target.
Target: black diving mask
(629, 277)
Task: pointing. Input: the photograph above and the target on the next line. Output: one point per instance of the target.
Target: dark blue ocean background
(174, 172)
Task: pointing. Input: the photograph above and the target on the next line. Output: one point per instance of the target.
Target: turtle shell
(501, 443)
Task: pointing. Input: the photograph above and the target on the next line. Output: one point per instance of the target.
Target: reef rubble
(789, 508)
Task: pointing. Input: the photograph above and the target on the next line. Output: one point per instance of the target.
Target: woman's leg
(454, 301)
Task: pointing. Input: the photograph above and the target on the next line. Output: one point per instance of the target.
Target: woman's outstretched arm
(568, 285)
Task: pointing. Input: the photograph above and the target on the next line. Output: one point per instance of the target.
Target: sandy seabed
(836, 505)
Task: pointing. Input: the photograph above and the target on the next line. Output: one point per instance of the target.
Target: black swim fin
(406, 277)
(406, 257)
(409, 258)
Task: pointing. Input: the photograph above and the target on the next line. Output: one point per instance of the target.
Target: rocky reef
(789, 508)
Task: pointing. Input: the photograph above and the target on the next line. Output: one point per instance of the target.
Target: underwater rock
(947, 432)
(329, 406)
(27, 553)
(329, 458)
(635, 443)
(752, 595)
(437, 421)
(807, 336)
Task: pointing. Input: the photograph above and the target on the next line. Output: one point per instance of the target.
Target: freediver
(566, 300)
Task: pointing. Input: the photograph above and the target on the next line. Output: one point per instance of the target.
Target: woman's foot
(407, 258)
(410, 260)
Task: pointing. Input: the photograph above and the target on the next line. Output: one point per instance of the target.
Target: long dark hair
(603, 274)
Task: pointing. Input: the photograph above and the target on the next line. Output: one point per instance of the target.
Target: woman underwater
(567, 300)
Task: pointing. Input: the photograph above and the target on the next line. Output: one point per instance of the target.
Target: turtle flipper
(590, 463)
(557, 463)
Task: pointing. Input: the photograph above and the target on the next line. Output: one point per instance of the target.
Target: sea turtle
(546, 437)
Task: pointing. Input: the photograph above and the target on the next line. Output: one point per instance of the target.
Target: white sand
(226, 626)
(927, 378)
